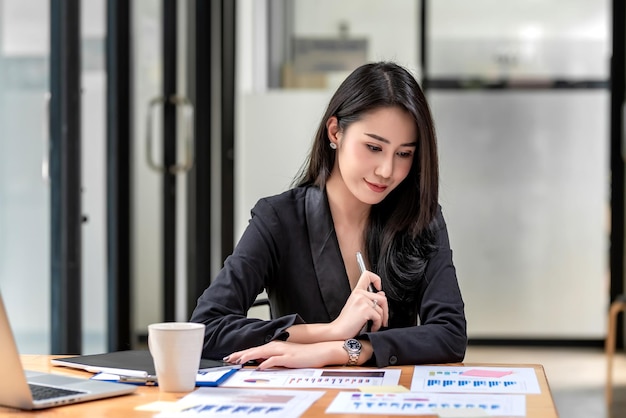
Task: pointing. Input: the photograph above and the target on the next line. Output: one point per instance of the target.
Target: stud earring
(333, 145)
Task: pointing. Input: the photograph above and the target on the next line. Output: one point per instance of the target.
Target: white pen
(361, 263)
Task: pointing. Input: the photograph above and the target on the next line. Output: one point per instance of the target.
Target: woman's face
(374, 154)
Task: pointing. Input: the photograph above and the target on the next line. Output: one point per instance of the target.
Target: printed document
(235, 403)
(409, 403)
(313, 378)
(438, 379)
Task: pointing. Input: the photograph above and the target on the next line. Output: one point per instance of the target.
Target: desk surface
(537, 406)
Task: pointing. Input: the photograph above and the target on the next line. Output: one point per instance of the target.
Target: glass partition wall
(24, 190)
(521, 103)
(25, 201)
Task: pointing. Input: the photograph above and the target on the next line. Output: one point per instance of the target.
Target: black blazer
(290, 249)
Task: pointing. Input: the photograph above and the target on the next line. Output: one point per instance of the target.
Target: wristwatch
(353, 347)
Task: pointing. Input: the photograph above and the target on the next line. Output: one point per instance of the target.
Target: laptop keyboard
(48, 392)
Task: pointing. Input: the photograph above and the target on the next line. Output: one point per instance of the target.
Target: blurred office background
(118, 205)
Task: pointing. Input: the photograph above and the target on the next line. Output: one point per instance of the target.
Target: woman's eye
(405, 154)
(373, 148)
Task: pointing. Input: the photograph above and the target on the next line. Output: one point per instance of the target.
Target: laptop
(25, 389)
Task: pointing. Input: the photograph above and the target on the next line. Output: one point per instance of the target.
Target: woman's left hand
(292, 355)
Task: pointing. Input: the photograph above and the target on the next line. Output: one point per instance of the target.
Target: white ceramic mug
(176, 348)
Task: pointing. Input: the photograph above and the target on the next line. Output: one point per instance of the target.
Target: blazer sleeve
(224, 305)
(441, 336)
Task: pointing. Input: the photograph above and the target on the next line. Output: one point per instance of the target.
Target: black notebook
(137, 360)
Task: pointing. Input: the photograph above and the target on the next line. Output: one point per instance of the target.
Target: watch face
(353, 345)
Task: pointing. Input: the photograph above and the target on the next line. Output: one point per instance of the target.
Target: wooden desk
(537, 406)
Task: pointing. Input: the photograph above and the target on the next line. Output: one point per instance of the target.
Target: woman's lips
(378, 188)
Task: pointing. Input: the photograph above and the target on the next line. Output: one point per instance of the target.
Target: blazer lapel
(327, 261)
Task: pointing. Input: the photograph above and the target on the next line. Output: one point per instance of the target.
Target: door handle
(187, 112)
(45, 134)
(155, 101)
(187, 116)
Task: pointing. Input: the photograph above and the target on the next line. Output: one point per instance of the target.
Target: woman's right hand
(362, 306)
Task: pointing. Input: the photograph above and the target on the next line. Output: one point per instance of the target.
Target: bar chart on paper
(314, 378)
(415, 404)
(474, 380)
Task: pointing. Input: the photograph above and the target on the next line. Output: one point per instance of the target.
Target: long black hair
(399, 233)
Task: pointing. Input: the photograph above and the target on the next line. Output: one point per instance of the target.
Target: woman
(370, 185)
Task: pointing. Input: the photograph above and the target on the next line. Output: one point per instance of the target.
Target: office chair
(618, 305)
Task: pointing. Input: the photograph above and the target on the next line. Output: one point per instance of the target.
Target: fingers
(380, 318)
(244, 356)
(367, 278)
(241, 356)
(376, 302)
(367, 306)
(272, 354)
(268, 364)
(381, 301)
(283, 354)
